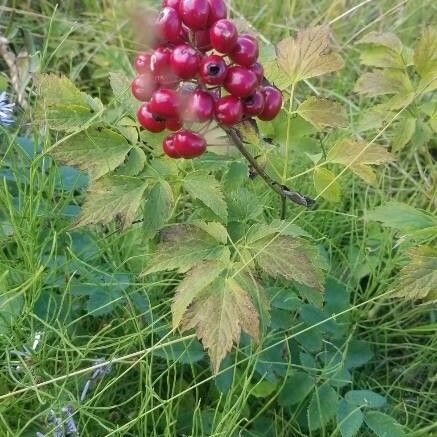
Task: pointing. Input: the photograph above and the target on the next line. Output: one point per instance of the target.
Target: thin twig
(282, 190)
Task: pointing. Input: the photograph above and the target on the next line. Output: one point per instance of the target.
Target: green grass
(148, 392)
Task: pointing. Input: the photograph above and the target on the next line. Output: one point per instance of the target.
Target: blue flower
(6, 110)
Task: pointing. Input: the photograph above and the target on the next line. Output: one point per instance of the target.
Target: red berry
(254, 104)
(273, 103)
(149, 120)
(142, 63)
(218, 11)
(194, 13)
(240, 82)
(165, 103)
(168, 25)
(189, 144)
(213, 70)
(185, 61)
(246, 50)
(171, 3)
(202, 40)
(173, 124)
(143, 87)
(160, 60)
(224, 36)
(169, 147)
(229, 110)
(258, 69)
(199, 107)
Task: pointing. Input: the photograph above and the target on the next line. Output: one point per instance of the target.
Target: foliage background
(81, 288)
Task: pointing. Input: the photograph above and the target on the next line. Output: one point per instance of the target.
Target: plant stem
(282, 190)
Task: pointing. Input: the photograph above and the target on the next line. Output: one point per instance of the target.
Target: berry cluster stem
(282, 190)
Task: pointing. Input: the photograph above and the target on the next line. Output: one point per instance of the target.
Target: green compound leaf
(96, 151)
(365, 398)
(322, 407)
(112, 197)
(298, 386)
(349, 419)
(383, 425)
(425, 60)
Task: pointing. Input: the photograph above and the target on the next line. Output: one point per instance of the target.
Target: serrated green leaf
(402, 217)
(383, 425)
(322, 407)
(403, 132)
(358, 354)
(243, 205)
(206, 188)
(112, 197)
(95, 151)
(382, 57)
(384, 39)
(196, 281)
(262, 230)
(292, 258)
(219, 316)
(214, 229)
(418, 279)
(263, 389)
(276, 75)
(121, 87)
(323, 112)
(236, 176)
(307, 55)
(56, 89)
(158, 207)
(425, 59)
(297, 387)
(365, 398)
(60, 117)
(182, 247)
(326, 185)
(134, 163)
(349, 419)
(382, 82)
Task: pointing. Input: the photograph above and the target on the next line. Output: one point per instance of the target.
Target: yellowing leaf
(55, 90)
(307, 55)
(219, 316)
(196, 281)
(404, 131)
(276, 75)
(184, 246)
(365, 172)
(292, 258)
(381, 57)
(384, 39)
(112, 197)
(380, 82)
(425, 60)
(326, 185)
(206, 188)
(323, 112)
(95, 151)
(418, 279)
(353, 152)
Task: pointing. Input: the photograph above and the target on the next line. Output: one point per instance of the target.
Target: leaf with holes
(323, 112)
(112, 197)
(220, 315)
(418, 279)
(206, 188)
(326, 185)
(307, 55)
(292, 258)
(95, 151)
(184, 246)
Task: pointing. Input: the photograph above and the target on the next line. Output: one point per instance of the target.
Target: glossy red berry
(246, 51)
(189, 144)
(254, 104)
(168, 25)
(202, 40)
(142, 63)
(165, 103)
(169, 148)
(173, 124)
(148, 120)
(185, 61)
(194, 13)
(160, 60)
(240, 82)
(258, 69)
(143, 87)
(171, 3)
(213, 70)
(273, 103)
(199, 107)
(217, 10)
(229, 110)
(224, 36)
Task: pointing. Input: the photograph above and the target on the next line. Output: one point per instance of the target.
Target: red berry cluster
(198, 53)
